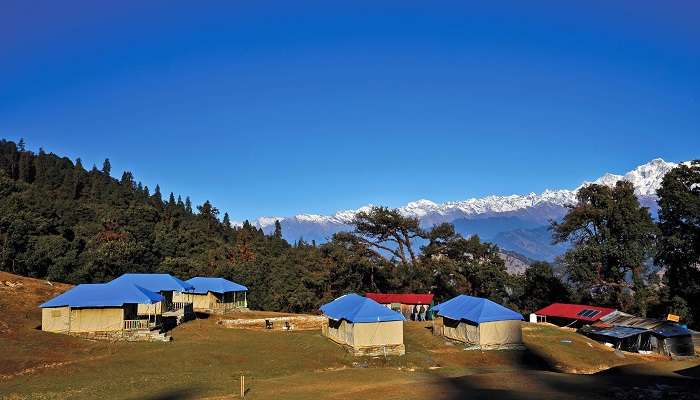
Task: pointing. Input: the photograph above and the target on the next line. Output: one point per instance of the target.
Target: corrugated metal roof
(103, 295)
(357, 309)
(155, 282)
(475, 309)
(403, 298)
(659, 327)
(572, 311)
(618, 332)
(203, 284)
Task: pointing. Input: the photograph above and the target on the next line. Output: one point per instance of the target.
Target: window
(588, 313)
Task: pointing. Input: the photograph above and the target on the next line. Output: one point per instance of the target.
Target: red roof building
(401, 298)
(572, 312)
(413, 306)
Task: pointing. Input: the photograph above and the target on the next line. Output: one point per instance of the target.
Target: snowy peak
(608, 179)
(646, 179)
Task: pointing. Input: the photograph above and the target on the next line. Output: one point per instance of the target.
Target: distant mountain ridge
(517, 223)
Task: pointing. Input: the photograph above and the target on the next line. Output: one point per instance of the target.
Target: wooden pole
(242, 386)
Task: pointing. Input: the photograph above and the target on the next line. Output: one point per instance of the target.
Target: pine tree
(21, 145)
(226, 221)
(127, 180)
(106, 167)
(171, 200)
(179, 201)
(188, 205)
(278, 230)
(26, 167)
(79, 164)
(157, 196)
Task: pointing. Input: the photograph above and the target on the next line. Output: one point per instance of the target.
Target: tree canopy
(613, 237)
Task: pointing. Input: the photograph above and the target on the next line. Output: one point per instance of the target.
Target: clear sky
(278, 108)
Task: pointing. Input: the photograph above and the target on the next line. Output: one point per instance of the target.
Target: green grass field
(206, 360)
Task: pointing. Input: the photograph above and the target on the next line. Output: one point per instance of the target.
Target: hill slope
(205, 360)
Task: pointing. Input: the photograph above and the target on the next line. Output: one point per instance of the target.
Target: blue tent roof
(355, 308)
(155, 282)
(475, 309)
(670, 330)
(103, 295)
(215, 285)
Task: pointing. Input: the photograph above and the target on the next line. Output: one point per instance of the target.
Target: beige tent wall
(500, 333)
(199, 301)
(339, 331)
(460, 330)
(211, 301)
(96, 319)
(55, 319)
(484, 334)
(377, 333)
(150, 309)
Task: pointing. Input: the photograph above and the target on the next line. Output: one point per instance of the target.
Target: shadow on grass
(182, 393)
(692, 372)
(533, 376)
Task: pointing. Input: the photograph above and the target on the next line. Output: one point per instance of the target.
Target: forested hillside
(65, 223)
(62, 222)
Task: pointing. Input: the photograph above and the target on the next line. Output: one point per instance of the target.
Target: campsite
(402, 200)
(206, 360)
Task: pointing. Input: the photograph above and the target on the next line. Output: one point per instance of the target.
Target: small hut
(363, 326)
(571, 315)
(479, 322)
(640, 334)
(412, 306)
(214, 294)
(91, 308)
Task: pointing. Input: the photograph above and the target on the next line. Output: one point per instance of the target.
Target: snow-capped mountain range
(516, 222)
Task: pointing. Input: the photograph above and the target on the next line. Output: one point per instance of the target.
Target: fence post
(242, 386)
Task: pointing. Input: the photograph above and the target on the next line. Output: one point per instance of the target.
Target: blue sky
(277, 108)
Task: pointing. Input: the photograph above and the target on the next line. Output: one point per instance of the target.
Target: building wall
(208, 301)
(55, 319)
(484, 334)
(96, 319)
(152, 309)
(377, 333)
(338, 331)
(199, 301)
(500, 333)
(460, 330)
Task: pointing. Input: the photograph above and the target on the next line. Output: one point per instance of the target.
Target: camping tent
(95, 308)
(214, 294)
(364, 326)
(478, 321)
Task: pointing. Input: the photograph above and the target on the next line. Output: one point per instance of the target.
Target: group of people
(419, 313)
